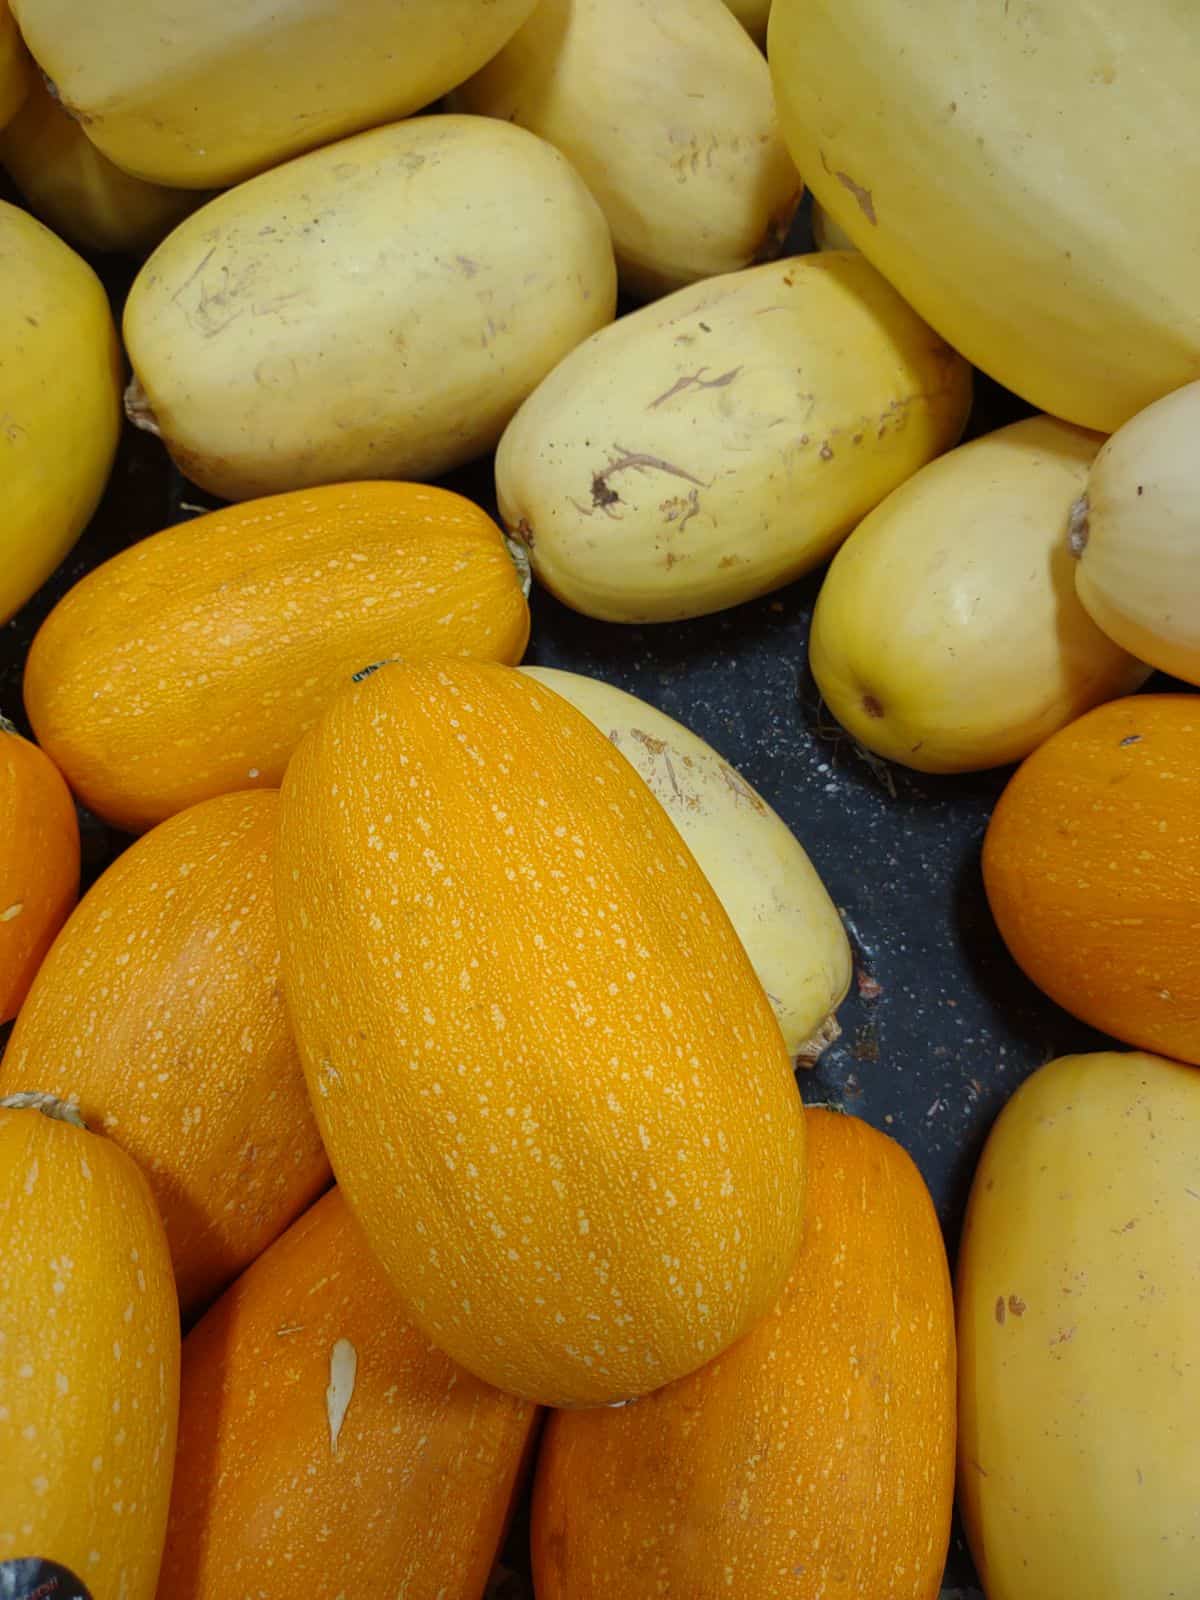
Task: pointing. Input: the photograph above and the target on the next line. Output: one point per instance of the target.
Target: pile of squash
(407, 1120)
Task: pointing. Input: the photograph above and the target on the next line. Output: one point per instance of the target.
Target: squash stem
(814, 1047)
(139, 410)
(1077, 528)
(520, 560)
(48, 1104)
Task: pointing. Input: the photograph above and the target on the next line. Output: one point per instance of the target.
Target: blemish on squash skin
(864, 197)
(680, 509)
(695, 380)
(604, 495)
(1016, 1305)
(872, 706)
(866, 203)
(1000, 1313)
(343, 1370)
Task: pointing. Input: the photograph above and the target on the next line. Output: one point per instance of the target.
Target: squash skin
(814, 1460)
(664, 108)
(1091, 864)
(39, 862)
(192, 663)
(772, 892)
(399, 348)
(75, 189)
(721, 442)
(1079, 1466)
(1071, 278)
(427, 1458)
(159, 1013)
(89, 1357)
(60, 388)
(205, 98)
(1134, 536)
(947, 635)
(497, 943)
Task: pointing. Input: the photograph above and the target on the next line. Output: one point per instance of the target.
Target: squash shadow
(1034, 1027)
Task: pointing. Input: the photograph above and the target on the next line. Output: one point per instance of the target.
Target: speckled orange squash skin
(89, 1358)
(814, 1460)
(159, 1012)
(549, 1082)
(1092, 868)
(39, 862)
(413, 1500)
(192, 663)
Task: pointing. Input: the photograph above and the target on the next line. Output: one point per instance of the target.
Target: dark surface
(932, 1053)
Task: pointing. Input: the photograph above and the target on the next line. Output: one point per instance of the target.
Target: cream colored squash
(1136, 532)
(74, 188)
(1079, 1463)
(665, 109)
(376, 309)
(201, 95)
(725, 440)
(947, 635)
(777, 903)
(60, 401)
(1023, 173)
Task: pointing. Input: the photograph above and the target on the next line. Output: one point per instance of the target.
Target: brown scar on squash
(659, 747)
(740, 789)
(866, 201)
(695, 380)
(681, 509)
(604, 495)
